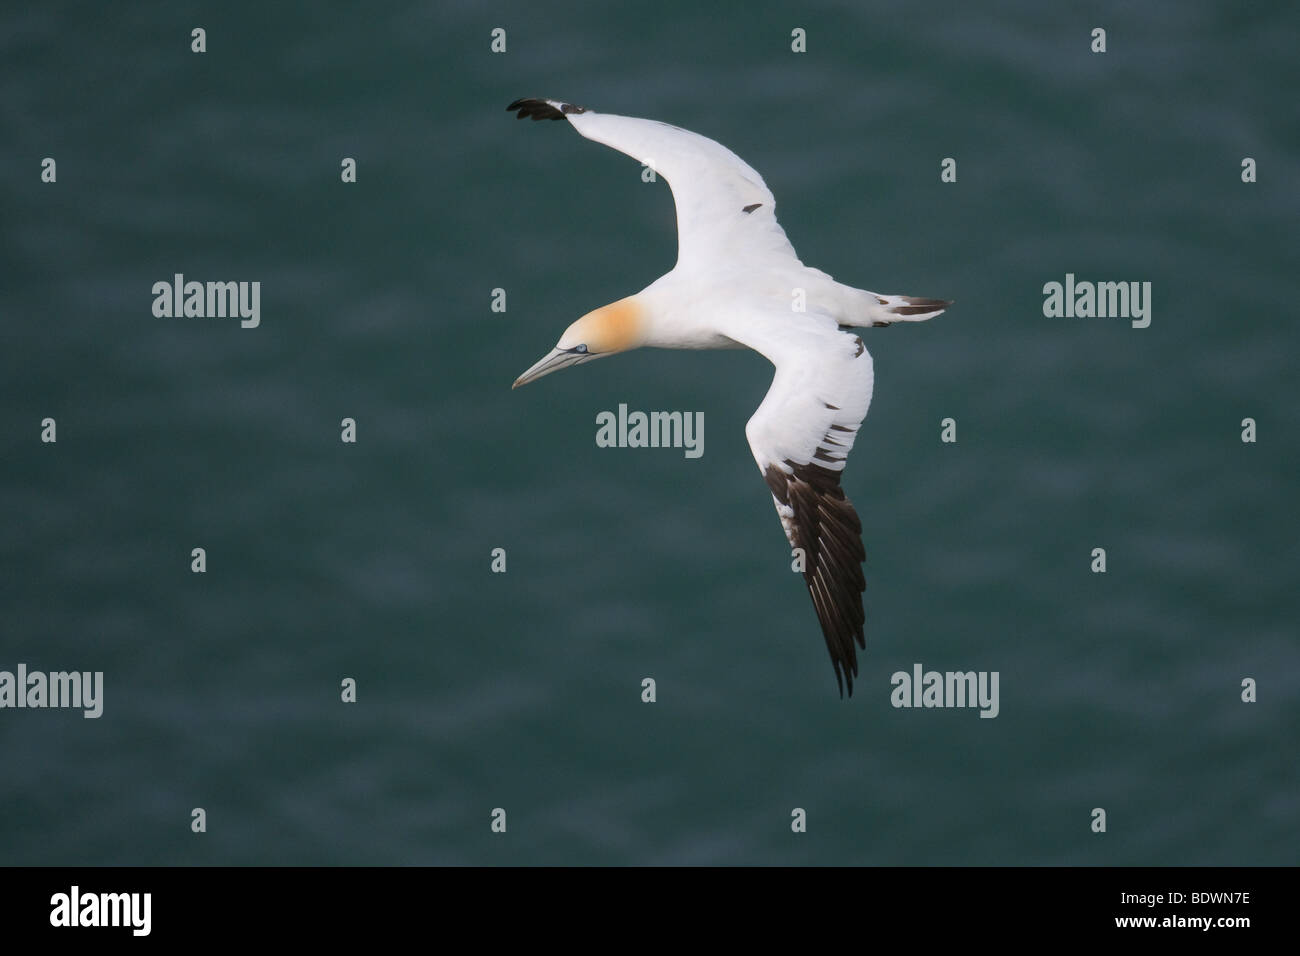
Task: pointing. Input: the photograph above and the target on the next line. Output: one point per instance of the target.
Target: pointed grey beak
(558, 359)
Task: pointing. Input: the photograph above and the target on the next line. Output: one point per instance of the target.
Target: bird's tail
(875, 309)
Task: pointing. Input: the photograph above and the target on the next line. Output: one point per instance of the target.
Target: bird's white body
(739, 283)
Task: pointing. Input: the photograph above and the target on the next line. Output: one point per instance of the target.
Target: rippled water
(522, 690)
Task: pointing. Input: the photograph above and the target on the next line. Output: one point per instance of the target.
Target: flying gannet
(738, 284)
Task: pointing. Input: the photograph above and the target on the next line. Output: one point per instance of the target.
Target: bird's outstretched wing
(801, 435)
(724, 209)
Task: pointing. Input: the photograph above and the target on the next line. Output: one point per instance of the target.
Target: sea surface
(522, 691)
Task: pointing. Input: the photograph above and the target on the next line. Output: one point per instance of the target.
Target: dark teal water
(522, 690)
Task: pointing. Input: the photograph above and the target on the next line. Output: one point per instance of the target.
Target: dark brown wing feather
(542, 109)
(828, 530)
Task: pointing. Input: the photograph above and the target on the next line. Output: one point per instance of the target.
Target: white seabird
(739, 284)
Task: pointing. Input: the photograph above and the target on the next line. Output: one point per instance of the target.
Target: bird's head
(612, 328)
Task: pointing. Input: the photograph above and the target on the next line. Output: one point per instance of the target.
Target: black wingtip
(919, 306)
(826, 526)
(542, 109)
(845, 678)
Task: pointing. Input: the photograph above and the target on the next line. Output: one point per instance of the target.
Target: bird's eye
(580, 349)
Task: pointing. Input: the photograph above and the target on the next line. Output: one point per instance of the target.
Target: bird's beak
(558, 359)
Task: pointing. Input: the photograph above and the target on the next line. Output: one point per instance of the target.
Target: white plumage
(739, 283)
